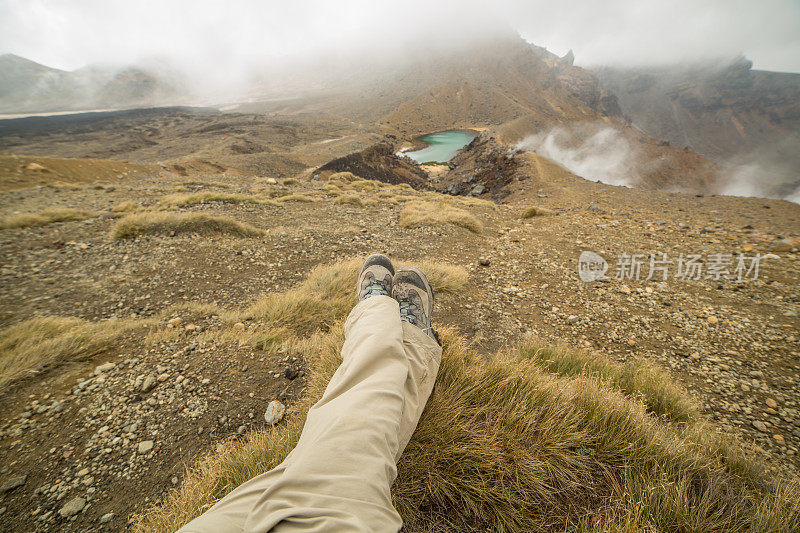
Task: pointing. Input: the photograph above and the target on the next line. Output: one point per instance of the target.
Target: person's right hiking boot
(412, 291)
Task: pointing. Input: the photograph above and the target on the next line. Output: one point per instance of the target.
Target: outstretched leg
(339, 475)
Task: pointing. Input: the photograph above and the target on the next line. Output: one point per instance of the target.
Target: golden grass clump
(332, 189)
(180, 200)
(505, 444)
(343, 177)
(161, 223)
(295, 198)
(289, 181)
(641, 379)
(48, 216)
(349, 199)
(366, 185)
(125, 207)
(535, 211)
(426, 213)
(42, 342)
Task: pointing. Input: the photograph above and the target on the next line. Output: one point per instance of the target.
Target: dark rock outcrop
(379, 162)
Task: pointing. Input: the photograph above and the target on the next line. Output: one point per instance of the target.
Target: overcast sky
(230, 33)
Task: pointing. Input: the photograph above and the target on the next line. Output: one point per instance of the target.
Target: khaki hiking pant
(337, 478)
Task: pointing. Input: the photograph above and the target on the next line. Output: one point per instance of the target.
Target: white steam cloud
(603, 155)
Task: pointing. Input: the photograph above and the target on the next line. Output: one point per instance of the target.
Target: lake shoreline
(419, 143)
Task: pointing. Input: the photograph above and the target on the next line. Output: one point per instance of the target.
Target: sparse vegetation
(39, 343)
(365, 185)
(48, 216)
(535, 211)
(125, 207)
(160, 223)
(349, 199)
(181, 200)
(289, 181)
(295, 198)
(343, 177)
(426, 213)
(545, 439)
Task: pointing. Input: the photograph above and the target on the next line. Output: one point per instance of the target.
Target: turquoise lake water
(442, 146)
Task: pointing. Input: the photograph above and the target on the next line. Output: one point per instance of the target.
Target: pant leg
(339, 475)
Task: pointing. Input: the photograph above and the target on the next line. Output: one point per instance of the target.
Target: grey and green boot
(375, 278)
(415, 296)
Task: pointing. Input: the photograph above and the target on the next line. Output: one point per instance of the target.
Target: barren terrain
(116, 425)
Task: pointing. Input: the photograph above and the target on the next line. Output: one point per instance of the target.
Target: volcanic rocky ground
(112, 432)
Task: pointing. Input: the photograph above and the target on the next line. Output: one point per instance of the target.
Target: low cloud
(602, 155)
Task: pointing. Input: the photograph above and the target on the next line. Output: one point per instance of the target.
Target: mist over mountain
(28, 87)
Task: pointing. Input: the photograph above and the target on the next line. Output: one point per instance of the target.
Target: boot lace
(373, 287)
(411, 310)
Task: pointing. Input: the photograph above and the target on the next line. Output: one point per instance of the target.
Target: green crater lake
(442, 146)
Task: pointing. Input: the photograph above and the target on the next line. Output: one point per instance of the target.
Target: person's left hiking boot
(413, 292)
(375, 278)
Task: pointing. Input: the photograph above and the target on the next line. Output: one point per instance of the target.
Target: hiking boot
(375, 278)
(415, 296)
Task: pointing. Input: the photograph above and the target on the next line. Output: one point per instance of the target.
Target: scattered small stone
(274, 412)
(484, 262)
(106, 518)
(290, 373)
(771, 403)
(13, 482)
(104, 368)
(72, 507)
(759, 425)
(145, 446)
(149, 383)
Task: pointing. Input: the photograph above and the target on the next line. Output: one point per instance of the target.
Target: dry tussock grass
(660, 395)
(182, 200)
(295, 198)
(343, 177)
(160, 223)
(196, 183)
(48, 216)
(125, 207)
(366, 185)
(42, 342)
(427, 213)
(547, 439)
(349, 199)
(535, 211)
